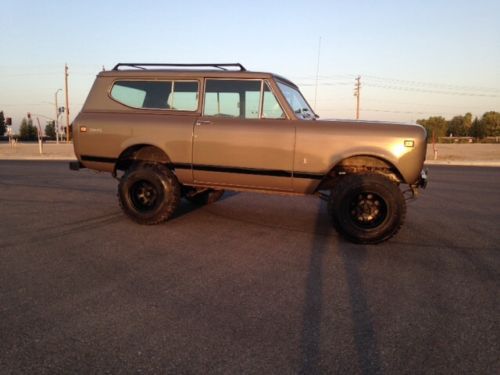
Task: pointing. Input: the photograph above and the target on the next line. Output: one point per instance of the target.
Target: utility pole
(56, 124)
(357, 94)
(67, 101)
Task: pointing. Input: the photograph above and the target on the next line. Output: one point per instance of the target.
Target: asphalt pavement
(254, 284)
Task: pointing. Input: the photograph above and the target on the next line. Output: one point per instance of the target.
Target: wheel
(149, 193)
(207, 196)
(367, 208)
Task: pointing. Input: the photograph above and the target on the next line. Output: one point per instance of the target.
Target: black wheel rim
(367, 210)
(144, 196)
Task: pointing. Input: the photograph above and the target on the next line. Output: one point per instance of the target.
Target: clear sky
(415, 58)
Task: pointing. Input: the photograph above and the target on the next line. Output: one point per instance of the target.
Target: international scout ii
(168, 131)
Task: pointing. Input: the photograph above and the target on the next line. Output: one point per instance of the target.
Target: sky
(415, 58)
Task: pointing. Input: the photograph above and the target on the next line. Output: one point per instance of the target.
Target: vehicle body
(216, 129)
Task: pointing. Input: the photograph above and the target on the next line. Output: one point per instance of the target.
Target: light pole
(57, 116)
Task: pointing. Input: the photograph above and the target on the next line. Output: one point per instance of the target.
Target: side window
(232, 98)
(177, 95)
(271, 108)
(142, 94)
(184, 96)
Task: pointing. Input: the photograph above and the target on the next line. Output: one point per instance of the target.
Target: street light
(57, 116)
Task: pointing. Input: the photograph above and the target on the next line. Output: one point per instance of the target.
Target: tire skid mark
(62, 230)
(55, 187)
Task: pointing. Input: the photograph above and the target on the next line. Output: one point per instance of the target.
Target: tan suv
(169, 131)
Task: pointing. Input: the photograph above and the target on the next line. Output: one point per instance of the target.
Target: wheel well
(361, 164)
(141, 153)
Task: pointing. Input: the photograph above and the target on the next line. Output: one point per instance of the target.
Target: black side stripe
(213, 168)
(251, 171)
(310, 176)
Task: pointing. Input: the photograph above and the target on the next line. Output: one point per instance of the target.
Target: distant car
(193, 131)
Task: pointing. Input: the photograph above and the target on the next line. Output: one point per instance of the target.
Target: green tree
(491, 121)
(436, 125)
(478, 129)
(50, 129)
(3, 127)
(27, 131)
(456, 126)
(24, 132)
(468, 123)
(460, 126)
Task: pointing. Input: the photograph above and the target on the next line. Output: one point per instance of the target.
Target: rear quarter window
(167, 95)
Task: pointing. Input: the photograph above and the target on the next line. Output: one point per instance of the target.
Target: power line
(429, 91)
(446, 86)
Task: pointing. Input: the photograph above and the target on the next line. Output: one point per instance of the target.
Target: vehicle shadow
(352, 257)
(365, 337)
(186, 207)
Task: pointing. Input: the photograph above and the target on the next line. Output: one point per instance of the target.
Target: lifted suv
(172, 131)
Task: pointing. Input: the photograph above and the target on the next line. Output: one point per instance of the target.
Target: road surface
(251, 284)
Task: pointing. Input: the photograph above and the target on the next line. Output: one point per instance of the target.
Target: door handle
(203, 122)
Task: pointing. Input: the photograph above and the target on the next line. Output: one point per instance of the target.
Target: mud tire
(149, 193)
(367, 208)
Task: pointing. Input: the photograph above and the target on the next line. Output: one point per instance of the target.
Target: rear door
(243, 137)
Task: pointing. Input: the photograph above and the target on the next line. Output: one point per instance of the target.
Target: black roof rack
(144, 66)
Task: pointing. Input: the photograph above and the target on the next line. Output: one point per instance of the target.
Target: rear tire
(367, 208)
(149, 193)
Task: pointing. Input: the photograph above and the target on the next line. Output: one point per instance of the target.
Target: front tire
(367, 208)
(149, 193)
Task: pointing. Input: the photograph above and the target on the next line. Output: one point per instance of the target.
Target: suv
(167, 131)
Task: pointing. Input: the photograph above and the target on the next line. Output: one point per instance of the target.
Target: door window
(232, 98)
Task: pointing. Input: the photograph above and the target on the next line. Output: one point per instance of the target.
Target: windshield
(297, 102)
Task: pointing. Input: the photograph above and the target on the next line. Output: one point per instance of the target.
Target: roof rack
(218, 66)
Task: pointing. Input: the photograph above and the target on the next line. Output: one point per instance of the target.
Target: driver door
(243, 138)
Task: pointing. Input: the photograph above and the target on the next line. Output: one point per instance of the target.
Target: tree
(50, 129)
(27, 131)
(23, 129)
(436, 125)
(478, 129)
(456, 126)
(491, 121)
(468, 123)
(460, 126)
(3, 127)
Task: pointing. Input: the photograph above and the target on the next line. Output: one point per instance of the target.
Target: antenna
(317, 75)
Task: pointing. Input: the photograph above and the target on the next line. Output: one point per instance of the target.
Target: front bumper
(422, 180)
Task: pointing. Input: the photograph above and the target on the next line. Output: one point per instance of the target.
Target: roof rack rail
(144, 66)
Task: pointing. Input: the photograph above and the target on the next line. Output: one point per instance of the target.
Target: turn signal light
(409, 143)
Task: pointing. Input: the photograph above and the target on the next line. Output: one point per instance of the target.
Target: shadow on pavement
(186, 207)
(364, 333)
(352, 257)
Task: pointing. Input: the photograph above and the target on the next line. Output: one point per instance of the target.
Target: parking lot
(251, 284)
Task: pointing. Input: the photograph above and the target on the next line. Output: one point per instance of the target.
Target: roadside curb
(464, 163)
(35, 158)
